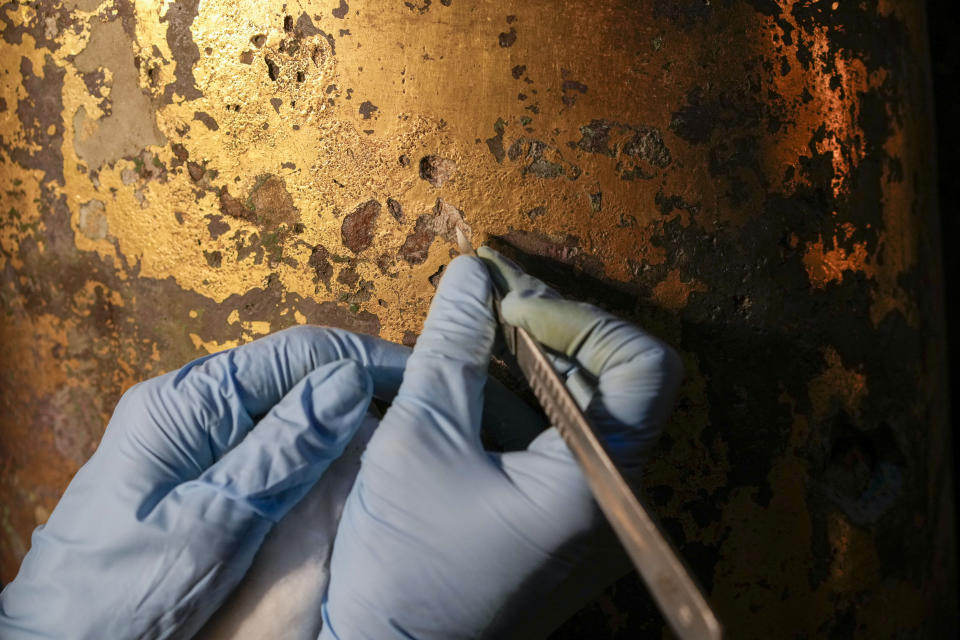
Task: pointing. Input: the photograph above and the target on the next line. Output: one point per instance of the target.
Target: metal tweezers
(674, 590)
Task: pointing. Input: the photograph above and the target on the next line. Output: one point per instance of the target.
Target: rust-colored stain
(827, 265)
(749, 179)
(672, 293)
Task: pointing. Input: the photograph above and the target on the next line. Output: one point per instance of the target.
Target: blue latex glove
(193, 470)
(441, 539)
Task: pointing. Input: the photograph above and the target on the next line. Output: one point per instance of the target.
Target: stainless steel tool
(673, 589)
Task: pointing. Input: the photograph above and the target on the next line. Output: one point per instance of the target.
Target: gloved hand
(441, 539)
(193, 470)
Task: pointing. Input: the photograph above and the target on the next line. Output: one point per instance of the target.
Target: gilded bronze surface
(750, 179)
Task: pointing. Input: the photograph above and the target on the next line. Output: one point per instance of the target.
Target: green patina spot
(499, 126)
(596, 201)
(5, 302)
(272, 243)
(261, 179)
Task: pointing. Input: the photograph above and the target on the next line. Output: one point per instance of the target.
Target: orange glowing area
(825, 265)
(672, 292)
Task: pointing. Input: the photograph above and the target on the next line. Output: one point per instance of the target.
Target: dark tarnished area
(752, 180)
(357, 228)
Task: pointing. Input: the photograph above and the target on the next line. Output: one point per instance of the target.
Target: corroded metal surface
(749, 179)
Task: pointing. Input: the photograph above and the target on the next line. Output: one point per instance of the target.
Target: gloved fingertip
(560, 324)
(667, 362)
(504, 271)
(463, 265)
(465, 279)
(282, 457)
(338, 390)
(443, 381)
(489, 255)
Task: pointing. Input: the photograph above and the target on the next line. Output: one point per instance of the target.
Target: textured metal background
(752, 180)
